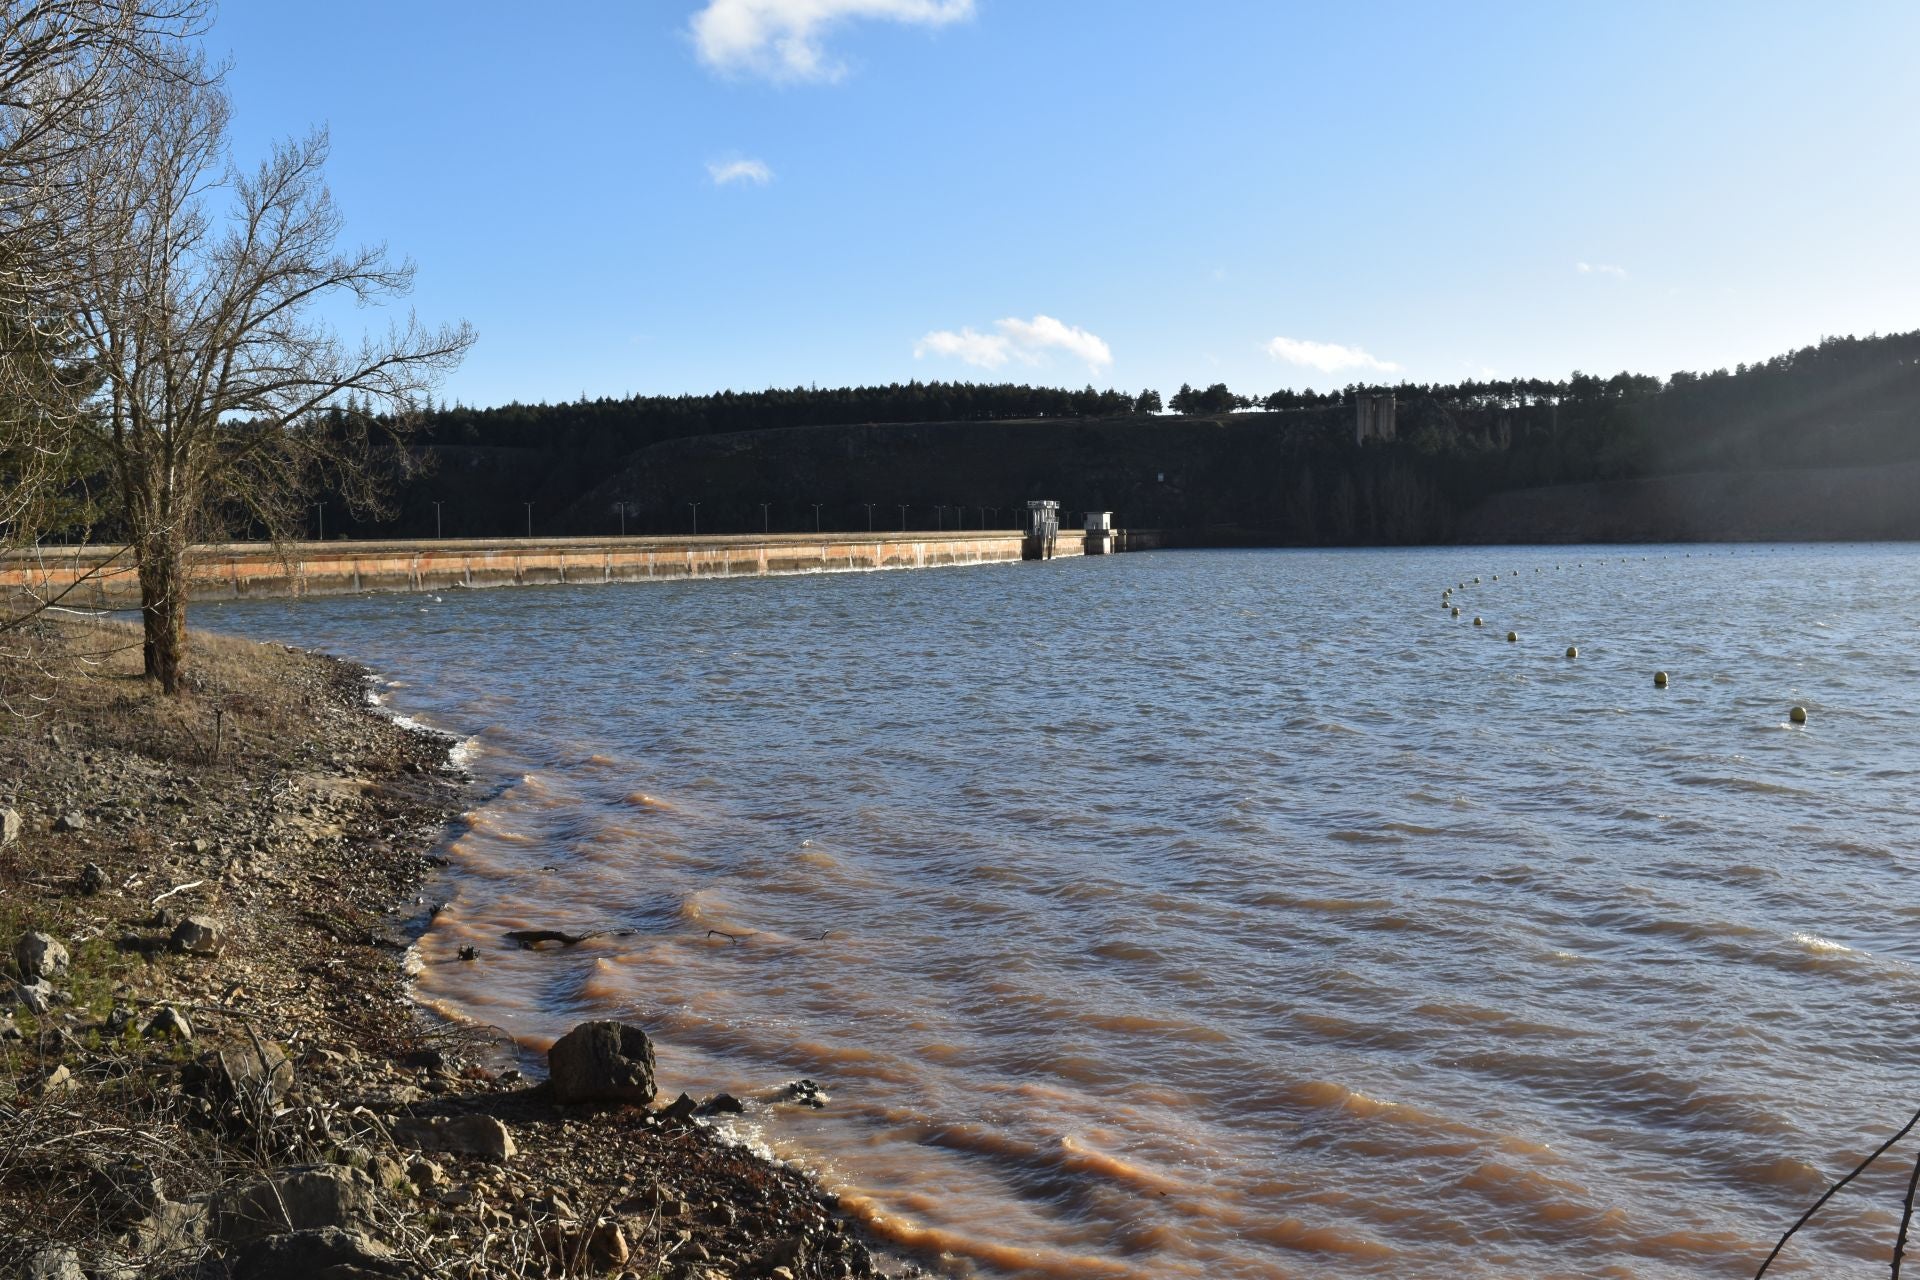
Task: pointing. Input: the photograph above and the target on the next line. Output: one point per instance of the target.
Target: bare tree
(216, 380)
(70, 72)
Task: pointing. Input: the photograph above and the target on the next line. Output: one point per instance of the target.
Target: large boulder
(462, 1135)
(40, 955)
(305, 1199)
(602, 1061)
(9, 826)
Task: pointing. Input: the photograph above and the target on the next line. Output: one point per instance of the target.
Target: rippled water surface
(1232, 914)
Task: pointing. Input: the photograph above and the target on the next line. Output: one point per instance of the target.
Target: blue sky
(667, 196)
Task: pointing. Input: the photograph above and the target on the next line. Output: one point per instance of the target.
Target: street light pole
(763, 518)
(816, 517)
(321, 507)
(869, 506)
(621, 507)
(436, 520)
(940, 517)
(696, 518)
(529, 507)
(903, 517)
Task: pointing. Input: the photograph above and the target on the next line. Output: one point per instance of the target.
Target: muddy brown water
(1229, 914)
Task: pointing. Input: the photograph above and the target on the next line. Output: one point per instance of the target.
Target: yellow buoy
(1798, 715)
(1477, 622)
(1512, 637)
(1659, 679)
(1573, 651)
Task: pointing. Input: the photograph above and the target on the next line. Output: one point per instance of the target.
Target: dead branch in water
(730, 937)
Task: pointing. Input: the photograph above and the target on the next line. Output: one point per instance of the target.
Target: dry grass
(76, 682)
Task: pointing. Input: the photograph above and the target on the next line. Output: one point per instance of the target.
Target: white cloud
(724, 172)
(1024, 341)
(1327, 357)
(1600, 269)
(782, 39)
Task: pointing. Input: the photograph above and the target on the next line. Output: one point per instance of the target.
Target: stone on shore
(680, 1110)
(92, 880)
(68, 822)
(37, 995)
(57, 1081)
(602, 1061)
(40, 955)
(54, 1262)
(247, 1073)
(9, 826)
(460, 1135)
(197, 936)
(308, 1199)
(331, 1253)
(169, 1022)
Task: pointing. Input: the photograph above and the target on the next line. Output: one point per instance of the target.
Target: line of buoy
(1797, 714)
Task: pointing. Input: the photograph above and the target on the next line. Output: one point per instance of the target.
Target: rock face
(602, 1062)
(197, 936)
(463, 1135)
(40, 955)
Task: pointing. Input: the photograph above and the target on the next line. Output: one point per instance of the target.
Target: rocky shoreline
(213, 1065)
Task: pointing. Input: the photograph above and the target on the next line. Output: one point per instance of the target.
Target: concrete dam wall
(102, 577)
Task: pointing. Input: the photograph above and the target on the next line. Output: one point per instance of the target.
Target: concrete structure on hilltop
(1373, 416)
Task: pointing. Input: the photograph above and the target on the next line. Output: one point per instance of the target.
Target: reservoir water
(1225, 914)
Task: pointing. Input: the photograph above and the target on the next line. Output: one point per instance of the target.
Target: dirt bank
(213, 1065)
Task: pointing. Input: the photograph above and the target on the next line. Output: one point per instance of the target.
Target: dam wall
(102, 577)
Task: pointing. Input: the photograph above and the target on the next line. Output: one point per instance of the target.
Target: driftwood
(179, 888)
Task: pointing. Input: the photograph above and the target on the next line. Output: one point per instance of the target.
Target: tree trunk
(163, 610)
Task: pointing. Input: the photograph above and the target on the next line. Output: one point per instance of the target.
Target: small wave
(1820, 946)
(1291, 1233)
(1754, 785)
(1367, 837)
(641, 800)
(1010, 1258)
(1080, 1158)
